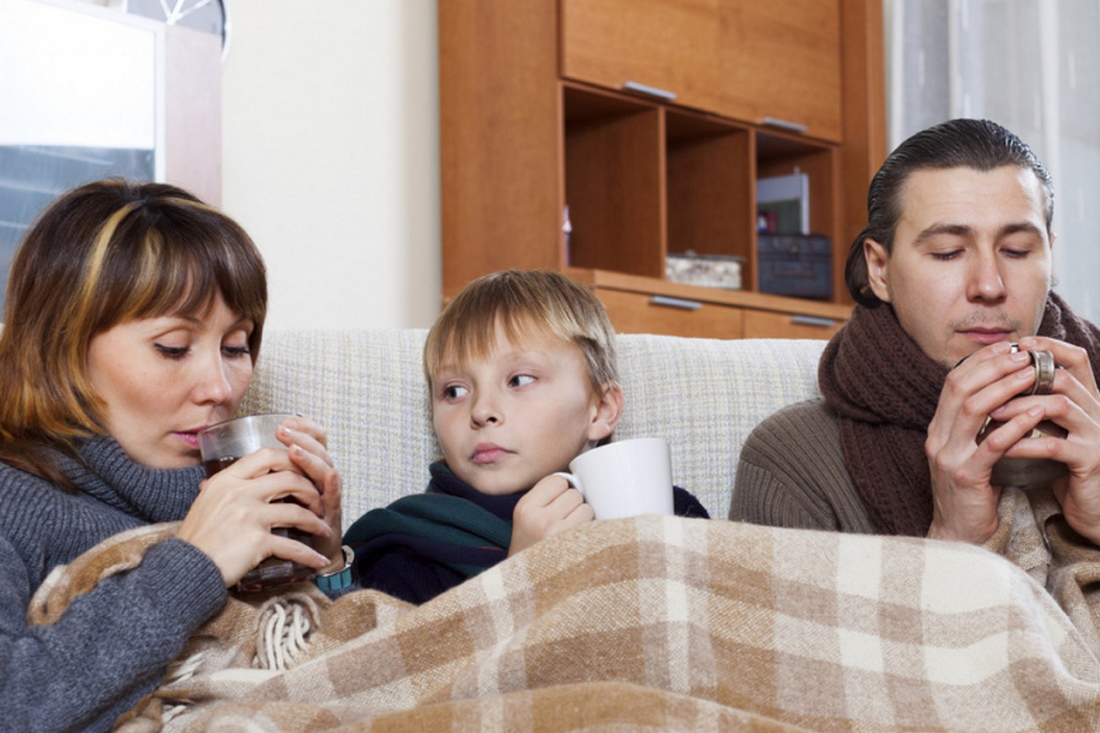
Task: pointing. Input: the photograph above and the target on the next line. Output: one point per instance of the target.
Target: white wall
(331, 157)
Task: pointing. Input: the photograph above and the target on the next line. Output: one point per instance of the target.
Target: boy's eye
(236, 352)
(520, 379)
(454, 391)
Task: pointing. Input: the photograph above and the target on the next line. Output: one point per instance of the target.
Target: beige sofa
(368, 389)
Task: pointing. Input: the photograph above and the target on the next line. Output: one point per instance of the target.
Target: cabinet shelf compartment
(709, 188)
(614, 183)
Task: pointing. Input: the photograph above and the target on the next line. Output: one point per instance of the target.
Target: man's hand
(1074, 404)
(964, 500)
(548, 508)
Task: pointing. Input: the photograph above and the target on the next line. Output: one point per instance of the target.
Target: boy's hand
(551, 506)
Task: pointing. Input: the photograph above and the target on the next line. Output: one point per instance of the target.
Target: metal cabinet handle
(634, 86)
(785, 124)
(681, 303)
(819, 321)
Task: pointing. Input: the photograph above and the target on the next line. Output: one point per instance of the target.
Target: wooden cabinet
(541, 118)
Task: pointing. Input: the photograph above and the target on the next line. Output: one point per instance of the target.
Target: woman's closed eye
(236, 352)
(179, 352)
(172, 352)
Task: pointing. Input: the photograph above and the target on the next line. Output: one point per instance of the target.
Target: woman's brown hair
(102, 254)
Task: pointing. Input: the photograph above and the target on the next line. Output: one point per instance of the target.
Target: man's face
(971, 259)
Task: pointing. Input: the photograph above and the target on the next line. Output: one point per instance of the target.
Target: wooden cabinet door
(667, 45)
(780, 61)
(760, 61)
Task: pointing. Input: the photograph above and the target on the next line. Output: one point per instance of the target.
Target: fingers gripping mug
(1030, 471)
(221, 445)
(624, 478)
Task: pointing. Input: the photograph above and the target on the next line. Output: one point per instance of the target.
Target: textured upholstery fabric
(367, 388)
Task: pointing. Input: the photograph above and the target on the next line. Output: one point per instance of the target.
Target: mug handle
(573, 480)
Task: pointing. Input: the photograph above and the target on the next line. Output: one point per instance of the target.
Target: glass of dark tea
(221, 445)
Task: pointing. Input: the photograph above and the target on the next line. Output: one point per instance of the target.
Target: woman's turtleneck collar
(106, 473)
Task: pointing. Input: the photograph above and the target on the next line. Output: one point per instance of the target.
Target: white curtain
(1030, 65)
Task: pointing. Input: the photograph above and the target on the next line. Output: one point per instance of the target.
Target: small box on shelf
(712, 271)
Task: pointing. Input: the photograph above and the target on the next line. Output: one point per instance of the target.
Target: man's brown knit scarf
(885, 391)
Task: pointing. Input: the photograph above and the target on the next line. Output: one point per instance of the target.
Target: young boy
(523, 378)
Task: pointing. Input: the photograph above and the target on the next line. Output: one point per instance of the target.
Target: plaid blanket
(662, 623)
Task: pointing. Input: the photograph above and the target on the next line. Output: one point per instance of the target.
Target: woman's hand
(232, 517)
(548, 508)
(307, 444)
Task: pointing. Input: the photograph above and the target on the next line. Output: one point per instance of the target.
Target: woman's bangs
(183, 276)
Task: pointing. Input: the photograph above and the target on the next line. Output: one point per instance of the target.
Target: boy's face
(522, 413)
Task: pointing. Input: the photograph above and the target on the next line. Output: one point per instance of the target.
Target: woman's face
(164, 379)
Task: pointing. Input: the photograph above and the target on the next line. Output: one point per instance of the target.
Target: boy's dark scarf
(885, 391)
(451, 524)
(454, 525)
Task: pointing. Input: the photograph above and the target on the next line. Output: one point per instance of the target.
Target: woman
(133, 319)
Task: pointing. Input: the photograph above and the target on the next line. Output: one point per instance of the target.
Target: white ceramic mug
(624, 478)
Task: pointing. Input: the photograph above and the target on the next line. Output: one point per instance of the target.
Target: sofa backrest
(367, 388)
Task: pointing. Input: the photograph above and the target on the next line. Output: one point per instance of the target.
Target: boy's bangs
(474, 338)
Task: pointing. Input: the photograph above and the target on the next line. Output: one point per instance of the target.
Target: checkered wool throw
(662, 623)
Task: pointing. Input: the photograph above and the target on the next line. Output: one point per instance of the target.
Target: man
(955, 263)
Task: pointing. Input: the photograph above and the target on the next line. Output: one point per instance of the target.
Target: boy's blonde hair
(523, 303)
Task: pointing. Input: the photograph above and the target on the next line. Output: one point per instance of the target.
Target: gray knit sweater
(113, 644)
(792, 474)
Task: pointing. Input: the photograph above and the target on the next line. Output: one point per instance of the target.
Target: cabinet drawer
(769, 324)
(643, 313)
